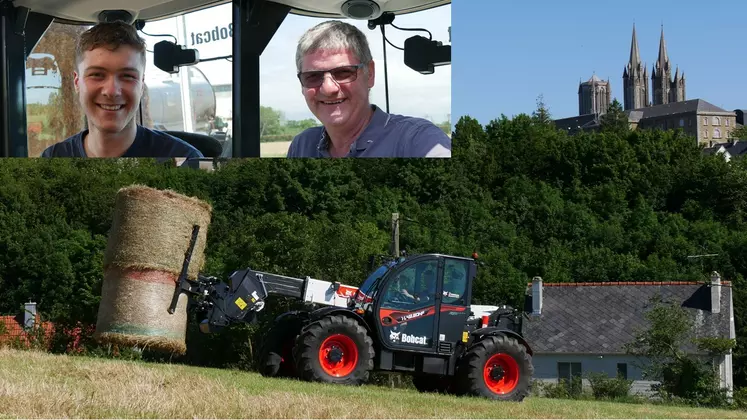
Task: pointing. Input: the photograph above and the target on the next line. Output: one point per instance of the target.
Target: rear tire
(276, 357)
(496, 367)
(335, 349)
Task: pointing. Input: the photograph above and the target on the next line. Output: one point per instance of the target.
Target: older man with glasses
(336, 72)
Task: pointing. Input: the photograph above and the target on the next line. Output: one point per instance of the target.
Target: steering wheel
(403, 297)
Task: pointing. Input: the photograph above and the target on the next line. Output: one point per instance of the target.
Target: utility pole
(394, 248)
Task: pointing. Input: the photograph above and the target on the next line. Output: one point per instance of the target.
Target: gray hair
(334, 35)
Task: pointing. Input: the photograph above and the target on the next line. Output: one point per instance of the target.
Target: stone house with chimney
(578, 328)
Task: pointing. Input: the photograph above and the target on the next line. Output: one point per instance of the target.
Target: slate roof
(719, 148)
(573, 124)
(593, 79)
(734, 148)
(692, 105)
(600, 318)
(634, 116)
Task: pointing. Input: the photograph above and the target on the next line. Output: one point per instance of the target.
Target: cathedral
(665, 88)
(656, 103)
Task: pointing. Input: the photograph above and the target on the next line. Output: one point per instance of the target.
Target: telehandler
(411, 315)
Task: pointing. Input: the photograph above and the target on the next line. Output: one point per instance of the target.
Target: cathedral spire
(635, 56)
(635, 82)
(663, 61)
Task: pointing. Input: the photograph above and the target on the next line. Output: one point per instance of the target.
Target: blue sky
(507, 52)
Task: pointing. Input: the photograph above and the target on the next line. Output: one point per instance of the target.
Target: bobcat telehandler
(411, 315)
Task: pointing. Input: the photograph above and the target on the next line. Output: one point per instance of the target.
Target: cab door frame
(433, 347)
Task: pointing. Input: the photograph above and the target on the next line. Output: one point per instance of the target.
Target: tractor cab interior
(33, 81)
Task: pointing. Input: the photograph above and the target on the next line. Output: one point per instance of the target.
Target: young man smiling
(109, 81)
(336, 72)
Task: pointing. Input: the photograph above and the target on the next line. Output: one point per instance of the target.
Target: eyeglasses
(344, 74)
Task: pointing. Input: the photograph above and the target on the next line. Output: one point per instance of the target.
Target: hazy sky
(410, 92)
(507, 53)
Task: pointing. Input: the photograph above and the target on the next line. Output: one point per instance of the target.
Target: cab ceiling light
(361, 9)
(115, 15)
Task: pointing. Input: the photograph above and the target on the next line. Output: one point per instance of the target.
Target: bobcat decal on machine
(445, 342)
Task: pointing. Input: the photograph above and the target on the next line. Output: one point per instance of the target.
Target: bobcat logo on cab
(413, 339)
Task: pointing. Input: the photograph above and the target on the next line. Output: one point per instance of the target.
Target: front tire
(335, 349)
(497, 367)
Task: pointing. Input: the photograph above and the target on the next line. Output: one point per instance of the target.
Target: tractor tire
(335, 349)
(432, 383)
(276, 356)
(496, 367)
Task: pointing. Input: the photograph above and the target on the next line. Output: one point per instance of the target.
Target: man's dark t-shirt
(148, 143)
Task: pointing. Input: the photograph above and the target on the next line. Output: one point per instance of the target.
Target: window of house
(716, 133)
(716, 121)
(622, 370)
(689, 122)
(705, 134)
(567, 371)
(727, 122)
(682, 122)
(705, 120)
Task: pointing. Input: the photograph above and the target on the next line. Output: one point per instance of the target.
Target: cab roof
(87, 11)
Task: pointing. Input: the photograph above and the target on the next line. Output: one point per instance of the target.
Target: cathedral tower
(593, 96)
(635, 79)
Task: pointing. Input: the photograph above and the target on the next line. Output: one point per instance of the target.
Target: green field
(35, 384)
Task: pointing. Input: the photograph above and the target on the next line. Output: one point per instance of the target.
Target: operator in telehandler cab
(427, 290)
(109, 81)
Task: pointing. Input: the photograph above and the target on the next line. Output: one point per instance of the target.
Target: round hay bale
(150, 233)
(152, 229)
(133, 310)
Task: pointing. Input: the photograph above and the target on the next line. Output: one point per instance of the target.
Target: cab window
(412, 288)
(455, 282)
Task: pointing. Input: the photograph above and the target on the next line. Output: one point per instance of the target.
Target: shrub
(604, 387)
(562, 389)
(740, 398)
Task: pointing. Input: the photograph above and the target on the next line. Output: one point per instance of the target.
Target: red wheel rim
(497, 364)
(342, 347)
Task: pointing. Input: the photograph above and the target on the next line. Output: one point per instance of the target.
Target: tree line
(611, 205)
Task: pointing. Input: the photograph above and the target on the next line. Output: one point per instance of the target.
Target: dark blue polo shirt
(148, 143)
(387, 135)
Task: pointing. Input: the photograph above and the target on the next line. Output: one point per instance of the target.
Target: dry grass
(40, 385)
(274, 148)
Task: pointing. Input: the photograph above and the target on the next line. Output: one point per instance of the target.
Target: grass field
(274, 149)
(34, 384)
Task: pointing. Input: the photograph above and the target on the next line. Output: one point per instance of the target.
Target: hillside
(34, 384)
